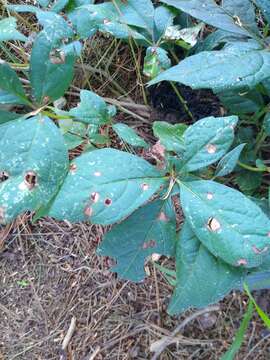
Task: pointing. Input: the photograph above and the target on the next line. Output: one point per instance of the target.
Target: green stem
(251, 168)
(182, 100)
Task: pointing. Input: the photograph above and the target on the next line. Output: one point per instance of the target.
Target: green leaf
(170, 136)
(59, 5)
(6, 116)
(241, 101)
(248, 181)
(207, 69)
(229, 161)
(7, 98)
(261, 313)
(139, 13)
(10, 83)
(43, 3)
(189, 35)
(75, 135)
(163, 18)
(216, 38)
(128, 135)
(33, 161)
(265, 8)
(92, 109)
(104, 186)
(149, 230)
(155, 62)
(207, 140)
(240, 334)
(230, 225)
(201, 278)
(218, 16)
(8, 30)
(51, 70)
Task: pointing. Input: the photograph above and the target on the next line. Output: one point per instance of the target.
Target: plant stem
(251, 168)
(182, 100)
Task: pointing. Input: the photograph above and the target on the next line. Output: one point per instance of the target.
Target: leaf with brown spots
(149, 230)
(34, 160)
(229, 224)
(202, 279)
(112, 183)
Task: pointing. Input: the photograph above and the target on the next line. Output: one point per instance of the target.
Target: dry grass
(50, 273)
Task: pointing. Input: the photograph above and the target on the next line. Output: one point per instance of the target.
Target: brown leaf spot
(88, 211)
(95, 197)
(3, 176)
(242, 262)
(211, 148)
(149, 244)
(162, 217)
(209, 196)
(145, 187)
(108, 202)
(259, 251)
(30, 180)
(213, 224)
(73, 168)
(97, 173)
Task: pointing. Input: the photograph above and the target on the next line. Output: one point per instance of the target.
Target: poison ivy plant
(225, 237)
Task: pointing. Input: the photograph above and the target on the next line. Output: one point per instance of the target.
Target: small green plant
(225, 239)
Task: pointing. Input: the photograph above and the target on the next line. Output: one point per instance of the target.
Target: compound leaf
(104, 186)
(202, 279)
(33, 162)
(207, 141)
(150, 229)
(230, 225)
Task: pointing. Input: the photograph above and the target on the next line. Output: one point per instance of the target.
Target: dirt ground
(50, 277)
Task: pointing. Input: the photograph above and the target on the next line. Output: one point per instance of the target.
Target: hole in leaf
(213, 224)
(106, 22)
(211, 148)
(57, 57)
(3, 176)
(162, 217)
(88, 211)
(210, 196)
(145, 187)
(73, 168)
(97, 173)
(30, 180)
(242, 262)
(108, 202)
(149, 244)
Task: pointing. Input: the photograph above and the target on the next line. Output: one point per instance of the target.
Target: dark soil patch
(201, 103)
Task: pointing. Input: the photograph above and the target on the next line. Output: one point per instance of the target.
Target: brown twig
(159, 346)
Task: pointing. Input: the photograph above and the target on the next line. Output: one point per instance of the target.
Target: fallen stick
(159, 346)
(69, 333)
